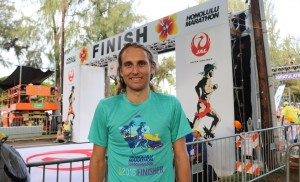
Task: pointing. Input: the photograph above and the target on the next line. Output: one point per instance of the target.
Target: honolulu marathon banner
(204, 81)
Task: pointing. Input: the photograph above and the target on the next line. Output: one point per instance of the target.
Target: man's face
(196, 134)
(136, 69)
(211, 73)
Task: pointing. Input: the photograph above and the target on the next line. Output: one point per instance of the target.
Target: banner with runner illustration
(204, 85)
(83, 88)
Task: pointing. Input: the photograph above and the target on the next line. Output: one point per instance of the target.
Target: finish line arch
(200, 36)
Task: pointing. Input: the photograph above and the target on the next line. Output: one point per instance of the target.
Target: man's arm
(181, 160)
(197, 89)
(97, 164)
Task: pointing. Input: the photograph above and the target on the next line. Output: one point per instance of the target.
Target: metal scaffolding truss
(285, 69)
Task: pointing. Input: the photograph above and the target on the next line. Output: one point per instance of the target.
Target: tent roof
(29, 75)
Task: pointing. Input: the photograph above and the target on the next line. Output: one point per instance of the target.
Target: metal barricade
(248, 156)
(29, 126)
(58, 163)
(256, 154)
(294, 148)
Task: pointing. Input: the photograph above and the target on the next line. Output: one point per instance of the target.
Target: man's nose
(135, 69)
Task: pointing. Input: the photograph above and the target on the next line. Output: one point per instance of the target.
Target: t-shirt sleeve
(98, 132)
(180, 126)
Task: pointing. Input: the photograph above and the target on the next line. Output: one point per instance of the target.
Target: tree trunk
(62, 49)
(108, 92)
(266, 114)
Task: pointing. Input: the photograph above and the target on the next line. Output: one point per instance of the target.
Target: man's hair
(208, 68)
(122, 86)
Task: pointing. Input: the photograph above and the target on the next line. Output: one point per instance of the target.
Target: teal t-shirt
(139, 137)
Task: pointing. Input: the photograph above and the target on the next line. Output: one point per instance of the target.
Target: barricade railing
(20, 127)
(58, 164)
(247, 156)
(294, 148)
(256, 154)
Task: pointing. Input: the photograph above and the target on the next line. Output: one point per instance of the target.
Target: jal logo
(200, 44)
(71, 75)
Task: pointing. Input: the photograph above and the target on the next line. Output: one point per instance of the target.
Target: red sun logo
(200, 44)
(71, 75)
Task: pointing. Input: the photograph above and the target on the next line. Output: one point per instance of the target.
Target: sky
(285, 12)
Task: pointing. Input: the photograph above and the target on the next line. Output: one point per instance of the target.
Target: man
(137, 110)
(199, 151)
(199, 155)
(288, 114)
(64, 132)
(203, 106)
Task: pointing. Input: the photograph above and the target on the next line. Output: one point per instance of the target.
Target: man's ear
(120, 71)
(153, 68)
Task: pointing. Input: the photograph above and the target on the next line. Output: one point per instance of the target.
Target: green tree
(17, 34)
(20, 34)
(273, 33)
(6, 28)
(48, 14)
(86, 22)
(99, 20)
(164, 73)
(290, 50)
(283, 51)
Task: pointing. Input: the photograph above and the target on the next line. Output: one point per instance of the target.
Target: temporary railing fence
(289, 152)
(256, 154)
(35, 126)
(58, 163)
(243, 157)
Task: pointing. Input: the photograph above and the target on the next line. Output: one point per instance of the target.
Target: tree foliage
(20, 34)
(98, 20)
(284, 51)
(86, 22)
(273, 34)
(6, 28)
(164, 73)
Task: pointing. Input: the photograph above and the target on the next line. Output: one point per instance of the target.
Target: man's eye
(142, 63)
(127, 65)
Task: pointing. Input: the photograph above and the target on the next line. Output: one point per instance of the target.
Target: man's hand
(193, 157)
(215, 87)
